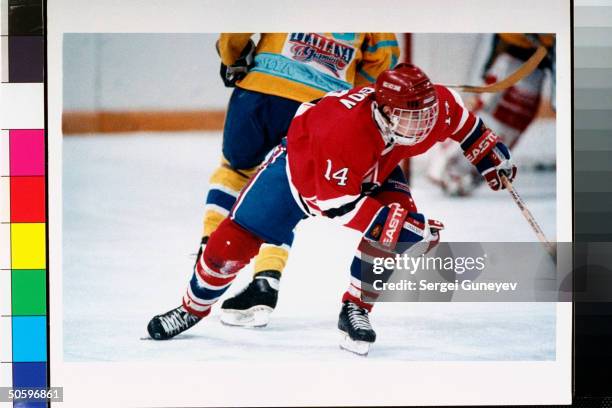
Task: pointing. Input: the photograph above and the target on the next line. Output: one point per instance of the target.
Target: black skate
(357, 333)
(252, 306)
(168, 325)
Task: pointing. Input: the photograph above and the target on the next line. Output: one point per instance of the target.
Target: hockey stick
(528, 216)
(527, 68)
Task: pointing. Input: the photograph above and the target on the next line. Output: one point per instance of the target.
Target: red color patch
(28, 199)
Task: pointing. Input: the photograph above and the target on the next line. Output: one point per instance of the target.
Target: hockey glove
(238, 70)
(394, 225)
(491, 158)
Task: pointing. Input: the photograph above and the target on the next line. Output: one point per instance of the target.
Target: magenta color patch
(27, 148)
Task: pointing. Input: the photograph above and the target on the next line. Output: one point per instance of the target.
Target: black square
(26, 59)
(25, 17)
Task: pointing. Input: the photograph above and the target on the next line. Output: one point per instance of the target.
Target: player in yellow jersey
(271, 80)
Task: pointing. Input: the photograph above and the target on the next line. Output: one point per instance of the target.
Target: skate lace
(358, 317)
(175, 321)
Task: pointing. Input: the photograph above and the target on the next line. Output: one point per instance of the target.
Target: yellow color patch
(28, 246)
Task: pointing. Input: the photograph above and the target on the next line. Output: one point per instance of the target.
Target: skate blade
(257, 316)
(361, 348)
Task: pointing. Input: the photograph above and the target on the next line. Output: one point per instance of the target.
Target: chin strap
(384, 127)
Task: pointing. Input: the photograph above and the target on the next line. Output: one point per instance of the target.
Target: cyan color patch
(29, 338)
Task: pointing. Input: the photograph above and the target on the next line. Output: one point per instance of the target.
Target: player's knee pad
(230, 248)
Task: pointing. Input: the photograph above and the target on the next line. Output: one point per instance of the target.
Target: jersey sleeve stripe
(393, 61)
(467, 129)
(464, 111)
(381, 44)
(464, 116)
(366, 75)
(472, 136)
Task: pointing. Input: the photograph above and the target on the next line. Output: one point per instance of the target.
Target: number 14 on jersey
(341, 175)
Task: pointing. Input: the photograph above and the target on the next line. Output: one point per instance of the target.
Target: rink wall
(123, 82)
(170, 82)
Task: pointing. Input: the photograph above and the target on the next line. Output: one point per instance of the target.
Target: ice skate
(354, 325)
(171, 323)
(252, 307)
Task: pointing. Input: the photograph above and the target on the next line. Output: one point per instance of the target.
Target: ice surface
(132, 210)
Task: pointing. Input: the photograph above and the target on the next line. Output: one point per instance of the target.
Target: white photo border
(359, 382)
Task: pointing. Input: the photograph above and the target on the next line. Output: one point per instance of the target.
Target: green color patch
(29, 292)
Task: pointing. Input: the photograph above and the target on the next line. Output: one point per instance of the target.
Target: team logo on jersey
(376, 231)
(327, 52)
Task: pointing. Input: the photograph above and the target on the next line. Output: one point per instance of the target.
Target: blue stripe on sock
(363, 271)
(204, 293)
(356, 266)
(220, 198)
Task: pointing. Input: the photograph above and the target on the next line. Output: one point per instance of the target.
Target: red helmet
(411, 102)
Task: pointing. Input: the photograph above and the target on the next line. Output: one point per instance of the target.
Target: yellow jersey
(305, 66)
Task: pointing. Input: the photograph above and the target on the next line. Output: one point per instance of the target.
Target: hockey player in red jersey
(340, 161)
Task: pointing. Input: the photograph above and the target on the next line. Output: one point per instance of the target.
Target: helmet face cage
(410, 127)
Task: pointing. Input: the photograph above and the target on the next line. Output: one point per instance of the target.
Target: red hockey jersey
(336, 152)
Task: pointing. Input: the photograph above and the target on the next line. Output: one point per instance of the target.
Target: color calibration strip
(23, 237)
(593, 193)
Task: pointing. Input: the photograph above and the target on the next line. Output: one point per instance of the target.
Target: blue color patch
(29, 375)
(29, 338)
(30, 404)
